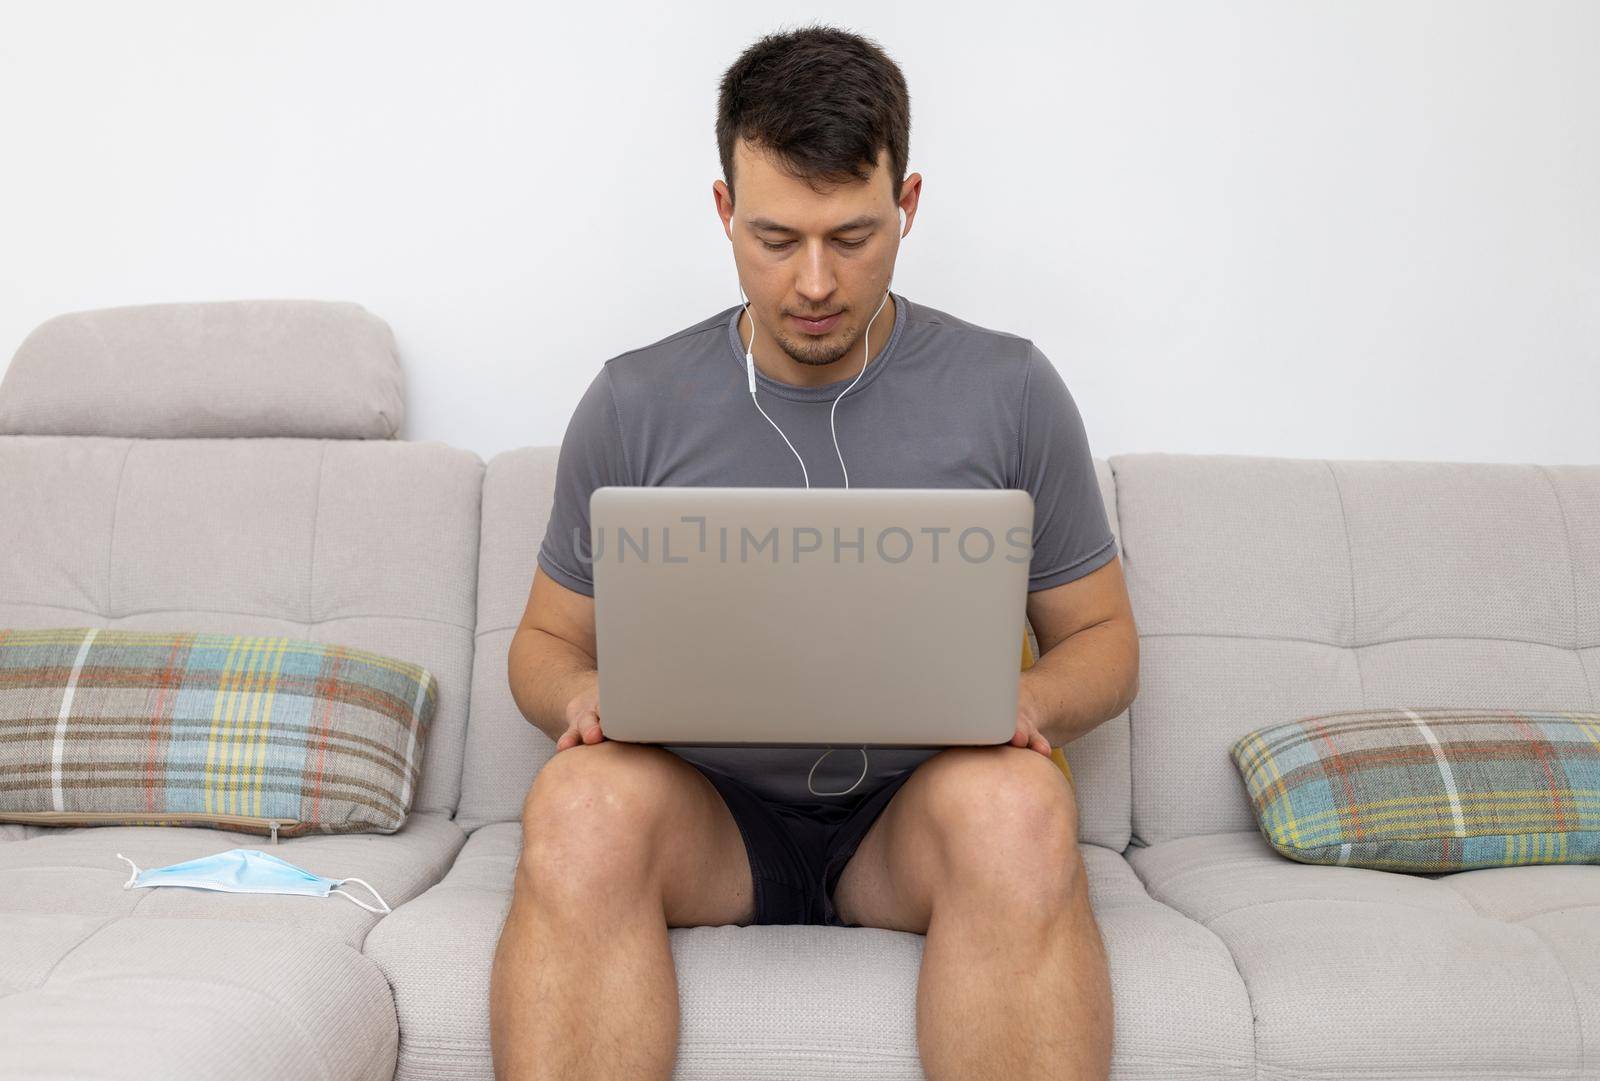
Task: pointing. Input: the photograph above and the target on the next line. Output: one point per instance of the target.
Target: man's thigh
(701, 864)
(896, 849)
(891, 880)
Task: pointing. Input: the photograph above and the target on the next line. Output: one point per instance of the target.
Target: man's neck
(774, 363)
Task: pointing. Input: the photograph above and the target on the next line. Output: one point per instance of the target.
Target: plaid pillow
(1428, 789)
(253, 733)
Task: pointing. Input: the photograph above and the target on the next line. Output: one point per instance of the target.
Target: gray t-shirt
(945, 404)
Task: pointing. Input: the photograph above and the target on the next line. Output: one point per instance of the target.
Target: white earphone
(750, 376)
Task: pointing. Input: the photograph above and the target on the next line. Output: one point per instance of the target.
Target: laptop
(809, 617)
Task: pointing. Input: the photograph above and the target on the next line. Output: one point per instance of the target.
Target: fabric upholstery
(1267, 589)
(106, 982)
(130, 1000)
(780, 1002)
(268, 733)
(505, 750)
(1351, 972)
(236, 368)
(367, 542)
(1427, 789)
(72, 872)
(372, 544)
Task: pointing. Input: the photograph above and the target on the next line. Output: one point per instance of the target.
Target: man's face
(804, 255)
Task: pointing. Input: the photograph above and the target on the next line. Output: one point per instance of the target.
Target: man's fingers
(568, 739)
(1027, 738)
(589, 725)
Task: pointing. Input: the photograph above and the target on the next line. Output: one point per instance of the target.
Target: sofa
(234, 467)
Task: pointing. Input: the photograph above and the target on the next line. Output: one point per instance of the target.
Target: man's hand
(583, 721)
(1027, 734)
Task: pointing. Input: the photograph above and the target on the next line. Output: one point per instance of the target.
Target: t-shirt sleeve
(1071, 533)
(591, 456)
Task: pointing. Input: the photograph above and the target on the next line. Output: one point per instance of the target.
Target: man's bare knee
(618, 821)
(591, 822)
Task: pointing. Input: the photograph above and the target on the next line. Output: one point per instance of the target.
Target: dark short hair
(823, 101)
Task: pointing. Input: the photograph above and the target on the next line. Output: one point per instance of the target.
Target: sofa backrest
(230, 467)
(1268, 589)
(505, 750)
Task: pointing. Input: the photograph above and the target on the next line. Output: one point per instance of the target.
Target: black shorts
(798, 851)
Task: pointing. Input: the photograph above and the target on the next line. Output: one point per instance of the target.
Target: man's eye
(842, 243)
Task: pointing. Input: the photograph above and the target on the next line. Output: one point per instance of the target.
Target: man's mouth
(817, 326)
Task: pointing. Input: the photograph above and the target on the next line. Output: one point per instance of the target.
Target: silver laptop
(795, 617)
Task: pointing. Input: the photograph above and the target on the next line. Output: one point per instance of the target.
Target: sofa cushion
(73, 872)
(505, 750)
(1429, 789)
(369, 543)
(1266, 589)
(297, 368)
(181, 727)
(128, 1000)
(779, 1002)
(1358, 973)
(106, 982)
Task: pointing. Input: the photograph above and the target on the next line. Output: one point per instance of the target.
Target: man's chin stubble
(812, 359)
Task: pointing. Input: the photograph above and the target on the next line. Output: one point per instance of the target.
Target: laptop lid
(812, 617)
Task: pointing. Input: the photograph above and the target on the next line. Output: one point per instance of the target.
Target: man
(975, 847)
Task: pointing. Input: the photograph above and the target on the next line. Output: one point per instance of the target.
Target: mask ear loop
(129, 884)
(352, 899)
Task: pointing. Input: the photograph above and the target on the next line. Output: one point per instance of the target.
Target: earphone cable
(750, 367)
(866, 344)
(750, 374)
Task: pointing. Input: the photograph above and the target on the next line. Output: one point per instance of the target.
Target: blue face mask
(244, 870)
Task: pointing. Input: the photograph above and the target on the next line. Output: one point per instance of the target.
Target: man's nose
(816, 281)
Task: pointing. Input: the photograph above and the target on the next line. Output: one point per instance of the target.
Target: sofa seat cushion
(71, 874)
(110, 997)
(1357, 973)
(775, 1002)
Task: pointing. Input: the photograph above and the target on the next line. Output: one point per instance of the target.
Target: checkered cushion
(250, 733)
(1428, 789)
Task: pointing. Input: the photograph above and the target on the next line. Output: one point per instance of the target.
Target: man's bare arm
(551, 663)
(1088, 667)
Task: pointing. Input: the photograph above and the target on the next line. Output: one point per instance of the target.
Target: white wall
(1365, 230)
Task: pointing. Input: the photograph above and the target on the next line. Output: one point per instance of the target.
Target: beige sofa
(232, 467)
